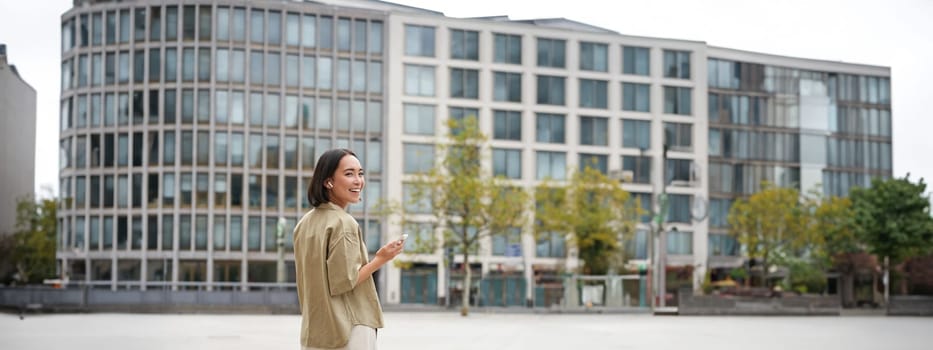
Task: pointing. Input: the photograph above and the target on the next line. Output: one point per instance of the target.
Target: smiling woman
(332, 265)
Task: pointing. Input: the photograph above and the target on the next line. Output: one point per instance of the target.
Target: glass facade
(811, 130)
(186, 127)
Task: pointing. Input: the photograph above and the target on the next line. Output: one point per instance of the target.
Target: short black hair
(325, 168)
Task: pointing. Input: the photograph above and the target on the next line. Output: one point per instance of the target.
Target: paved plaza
(435, 330)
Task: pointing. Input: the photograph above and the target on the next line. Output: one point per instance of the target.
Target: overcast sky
(893, 33)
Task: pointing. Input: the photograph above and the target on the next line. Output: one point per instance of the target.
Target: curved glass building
(189, 131)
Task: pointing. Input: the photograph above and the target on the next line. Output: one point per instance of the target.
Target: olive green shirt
(329, 252)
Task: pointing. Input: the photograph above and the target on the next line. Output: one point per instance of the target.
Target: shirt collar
(329, 206)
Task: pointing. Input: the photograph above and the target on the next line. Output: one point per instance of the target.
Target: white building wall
(17, 143)
(529, 69)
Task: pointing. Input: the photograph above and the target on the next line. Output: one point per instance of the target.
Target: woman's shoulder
(329, 217)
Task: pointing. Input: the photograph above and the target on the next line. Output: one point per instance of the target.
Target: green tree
(771, 225)
(833, 223)
(465, 201)
(893, 218)
(836, 240)
(33, 248)
(595, 209)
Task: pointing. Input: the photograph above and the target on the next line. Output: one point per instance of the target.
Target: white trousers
(361, 338)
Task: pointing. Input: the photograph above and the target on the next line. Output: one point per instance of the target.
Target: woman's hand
(390, 251)
(384, 255)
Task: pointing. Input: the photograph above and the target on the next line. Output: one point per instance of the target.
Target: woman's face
(346, 185)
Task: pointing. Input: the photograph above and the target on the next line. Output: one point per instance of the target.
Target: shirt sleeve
(343, 262)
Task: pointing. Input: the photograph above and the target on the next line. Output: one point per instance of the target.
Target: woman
(339, 305)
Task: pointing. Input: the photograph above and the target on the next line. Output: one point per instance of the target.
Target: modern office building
(17, 141)
(807, 124)
(189, 129)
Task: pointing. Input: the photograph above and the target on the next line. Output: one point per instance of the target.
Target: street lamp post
(280, 243)
(658, 238)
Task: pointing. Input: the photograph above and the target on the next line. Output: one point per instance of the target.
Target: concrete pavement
(447, 330)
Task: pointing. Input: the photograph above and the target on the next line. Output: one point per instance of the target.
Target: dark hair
(325, 168)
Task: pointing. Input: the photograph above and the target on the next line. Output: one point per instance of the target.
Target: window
(257, 24)
(636, 246)
(636, 134)
(679, 243)
(97, 33)
(359, 35)
(273, 69)
(594, 56)
(204, 64)
(507, 125)
(419, 41)
(599, 162)
(507, 162)
(636, 97)
(677, 100)
(507, 86)
(419, 80)
(635, 60)
(139, 65)
(223, 24)
(679, 208)
(139, 22)
(358, 73)
(501, 243)
(719, 212)
(459, 114)
(678, 136)
(422, 204)
(124, 27)
(464, 44)
(723, 245)
(550, 128)
(325, 72)
(375, 37)
(550, 90)
(593, 93)
(111, 30)
(272, 151)
(343, 74)
(167, 237)
(551, 53)
(220, 148)
(123, 69)
(308, 35)
(551, 165)
(220, 190)
(202, 189)
(419, 158)
(343, 34)
(507, 49)
(678, 170)
(419, 119)
(550, 245)
(464, 83)
(594, 131)
(375, 76)
(715, 142)
(676, 64)
(640, 167)
(204, 20)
